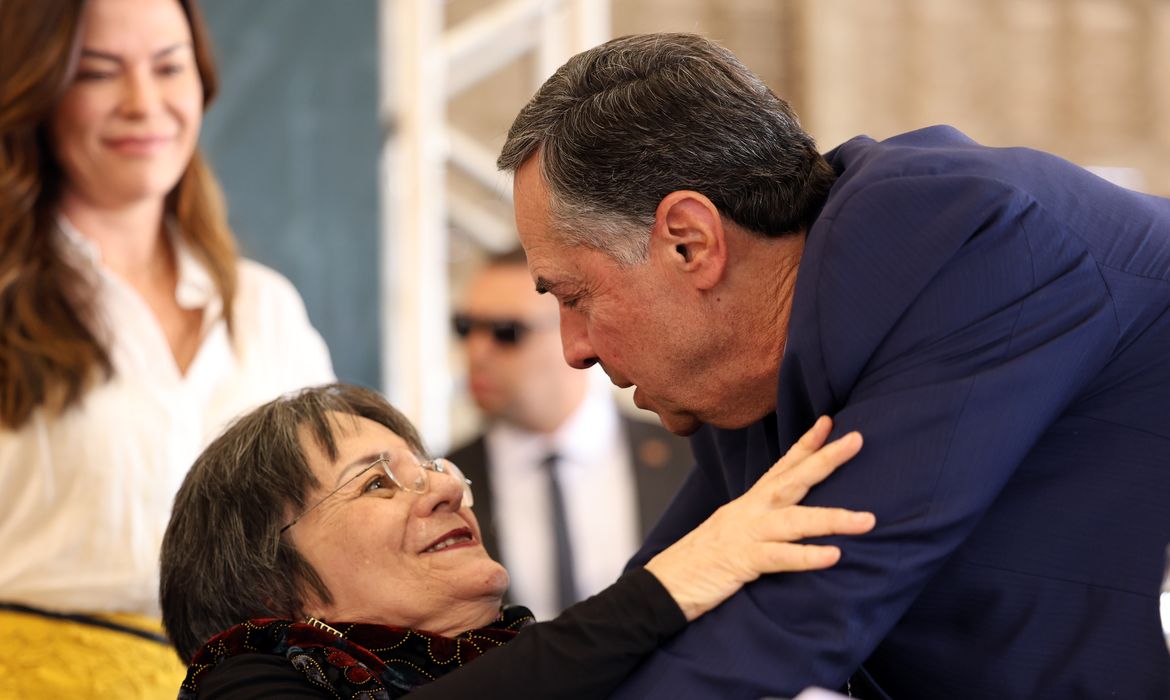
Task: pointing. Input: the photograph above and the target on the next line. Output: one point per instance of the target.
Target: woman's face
(377, 548)
(127, 127)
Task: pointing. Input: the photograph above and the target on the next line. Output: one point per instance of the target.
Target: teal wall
(293, 137)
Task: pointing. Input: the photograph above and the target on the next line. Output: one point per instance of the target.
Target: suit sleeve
(954, 323)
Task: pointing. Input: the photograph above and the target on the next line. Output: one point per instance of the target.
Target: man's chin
(682, 424)
(490, 403)
(679, 423)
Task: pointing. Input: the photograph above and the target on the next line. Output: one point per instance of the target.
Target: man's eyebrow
(116, 58)
(544, 286)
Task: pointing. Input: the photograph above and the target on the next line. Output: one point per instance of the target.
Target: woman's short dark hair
(224, 557)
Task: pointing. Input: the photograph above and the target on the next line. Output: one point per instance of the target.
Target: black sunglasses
(505, 331)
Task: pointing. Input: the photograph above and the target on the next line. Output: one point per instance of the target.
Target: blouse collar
(195, 288)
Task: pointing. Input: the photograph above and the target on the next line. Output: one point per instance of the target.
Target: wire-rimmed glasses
(406, 474)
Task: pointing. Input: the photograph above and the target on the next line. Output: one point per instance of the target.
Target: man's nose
(480, 347)
(575, 340)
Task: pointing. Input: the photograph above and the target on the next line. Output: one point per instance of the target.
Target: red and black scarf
(364, 659)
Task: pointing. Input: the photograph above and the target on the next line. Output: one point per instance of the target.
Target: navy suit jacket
(996, 322)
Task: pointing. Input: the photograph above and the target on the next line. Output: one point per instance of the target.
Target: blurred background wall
(1085, 79)
(294, 139)
(296, 135)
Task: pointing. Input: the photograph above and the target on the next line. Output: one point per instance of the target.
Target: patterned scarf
(353, 659)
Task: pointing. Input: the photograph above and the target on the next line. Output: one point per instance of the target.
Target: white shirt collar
(79, 249)
(195, 288)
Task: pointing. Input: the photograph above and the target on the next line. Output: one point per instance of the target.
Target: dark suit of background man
(995, 322)
(614, 475)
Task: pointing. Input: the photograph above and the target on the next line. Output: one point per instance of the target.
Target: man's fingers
(802, 522)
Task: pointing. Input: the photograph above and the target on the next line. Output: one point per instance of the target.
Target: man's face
(638, 322)
(515, 368)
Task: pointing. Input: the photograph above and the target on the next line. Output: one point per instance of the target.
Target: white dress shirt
(85, 496)
(596, 476)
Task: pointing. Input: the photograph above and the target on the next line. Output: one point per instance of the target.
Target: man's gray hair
(620, 126)
(224, 556)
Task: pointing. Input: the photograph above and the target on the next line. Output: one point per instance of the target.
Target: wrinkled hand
(757, 533)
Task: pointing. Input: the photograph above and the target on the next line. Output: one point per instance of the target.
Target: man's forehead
(562, 268)
(545, 257)
(528, 176)
(554, 268)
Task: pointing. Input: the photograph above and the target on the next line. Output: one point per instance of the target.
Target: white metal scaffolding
(423, 64)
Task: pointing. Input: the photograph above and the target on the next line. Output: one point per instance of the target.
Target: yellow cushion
(42, 658)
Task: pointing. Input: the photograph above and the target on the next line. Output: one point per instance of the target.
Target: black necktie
(563, 575)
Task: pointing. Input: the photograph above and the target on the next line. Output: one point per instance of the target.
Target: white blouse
(85, 496)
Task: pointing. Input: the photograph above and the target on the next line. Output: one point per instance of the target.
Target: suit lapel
(657, 474)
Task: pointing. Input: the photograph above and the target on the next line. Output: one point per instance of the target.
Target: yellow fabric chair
(46, 657)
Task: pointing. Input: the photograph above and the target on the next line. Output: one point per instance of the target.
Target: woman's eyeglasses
(407, 475)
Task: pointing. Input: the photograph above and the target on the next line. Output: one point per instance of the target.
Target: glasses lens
(408, 475)
(448, 467)
(507, 332)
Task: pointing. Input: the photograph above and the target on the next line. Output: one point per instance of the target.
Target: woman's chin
(497, 580)
(486, 580)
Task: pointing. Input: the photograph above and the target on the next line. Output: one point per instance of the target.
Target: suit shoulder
(474, 447)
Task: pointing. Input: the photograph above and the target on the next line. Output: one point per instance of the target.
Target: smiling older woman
(314, 552)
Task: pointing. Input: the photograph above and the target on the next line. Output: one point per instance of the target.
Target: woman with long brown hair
(130, 331)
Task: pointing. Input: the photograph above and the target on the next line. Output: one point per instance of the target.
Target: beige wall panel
(1086, 79)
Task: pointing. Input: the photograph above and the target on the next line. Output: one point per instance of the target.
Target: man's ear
(688, 234)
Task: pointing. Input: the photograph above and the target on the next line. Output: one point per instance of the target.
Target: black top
(583, 653)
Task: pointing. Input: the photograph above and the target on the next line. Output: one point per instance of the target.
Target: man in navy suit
(996, 323)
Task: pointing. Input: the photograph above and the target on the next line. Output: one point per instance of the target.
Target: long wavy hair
(50, 350)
